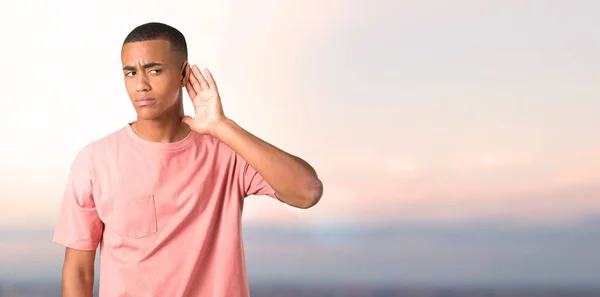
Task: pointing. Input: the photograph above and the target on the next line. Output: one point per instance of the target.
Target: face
(154, 76)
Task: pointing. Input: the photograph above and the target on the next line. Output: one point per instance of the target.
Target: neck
(166, 128)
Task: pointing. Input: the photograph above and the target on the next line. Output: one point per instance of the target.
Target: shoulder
(212, 144)
(99, 147)
(217, 150)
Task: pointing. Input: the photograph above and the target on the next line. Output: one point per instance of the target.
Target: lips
(144, 101)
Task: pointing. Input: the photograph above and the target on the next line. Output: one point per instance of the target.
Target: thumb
(187, 120)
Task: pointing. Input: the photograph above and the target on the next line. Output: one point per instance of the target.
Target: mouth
(144, 101)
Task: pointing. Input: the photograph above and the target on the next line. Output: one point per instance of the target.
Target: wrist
(222, 128)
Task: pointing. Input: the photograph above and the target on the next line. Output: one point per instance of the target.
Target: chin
(148, 114)
(156, 111)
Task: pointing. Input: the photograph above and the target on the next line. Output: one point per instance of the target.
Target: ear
(185, 73)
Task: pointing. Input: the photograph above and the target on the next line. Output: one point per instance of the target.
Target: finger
(188, 120)
(196, 86)
(190, 89)
(211, 81)
(200, 77)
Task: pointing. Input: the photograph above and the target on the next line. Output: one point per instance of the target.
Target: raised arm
(294, 181)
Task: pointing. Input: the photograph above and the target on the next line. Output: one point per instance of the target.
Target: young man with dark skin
(163, 196)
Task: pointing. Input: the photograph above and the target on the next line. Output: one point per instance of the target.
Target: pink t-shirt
(167, 216)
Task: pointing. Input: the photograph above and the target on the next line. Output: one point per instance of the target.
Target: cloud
(373, 188)
(420, 110)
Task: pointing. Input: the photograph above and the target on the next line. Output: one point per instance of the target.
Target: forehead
(146, 51)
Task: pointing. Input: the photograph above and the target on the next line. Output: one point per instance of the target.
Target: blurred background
(457, 140)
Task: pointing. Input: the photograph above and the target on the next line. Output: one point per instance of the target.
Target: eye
(131, 73)
(155, 71)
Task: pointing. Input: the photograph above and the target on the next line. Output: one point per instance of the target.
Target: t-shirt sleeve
(252, 182)
(78, 225)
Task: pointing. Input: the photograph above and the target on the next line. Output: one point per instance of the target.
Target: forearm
(78, 282)
(294, 180)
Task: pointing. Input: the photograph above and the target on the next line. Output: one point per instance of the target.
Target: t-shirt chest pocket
(132, 216)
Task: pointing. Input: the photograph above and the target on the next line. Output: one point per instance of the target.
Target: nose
(142, 83)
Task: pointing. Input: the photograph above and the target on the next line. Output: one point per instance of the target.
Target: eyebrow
(145, 66)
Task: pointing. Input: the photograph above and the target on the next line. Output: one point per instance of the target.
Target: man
(163, 196)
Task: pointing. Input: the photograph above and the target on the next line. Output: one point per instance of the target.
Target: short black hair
(159, 31)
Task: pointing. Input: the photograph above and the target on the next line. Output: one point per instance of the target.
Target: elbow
(311, 195)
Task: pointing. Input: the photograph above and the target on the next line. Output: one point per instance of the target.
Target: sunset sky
(441, 112)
